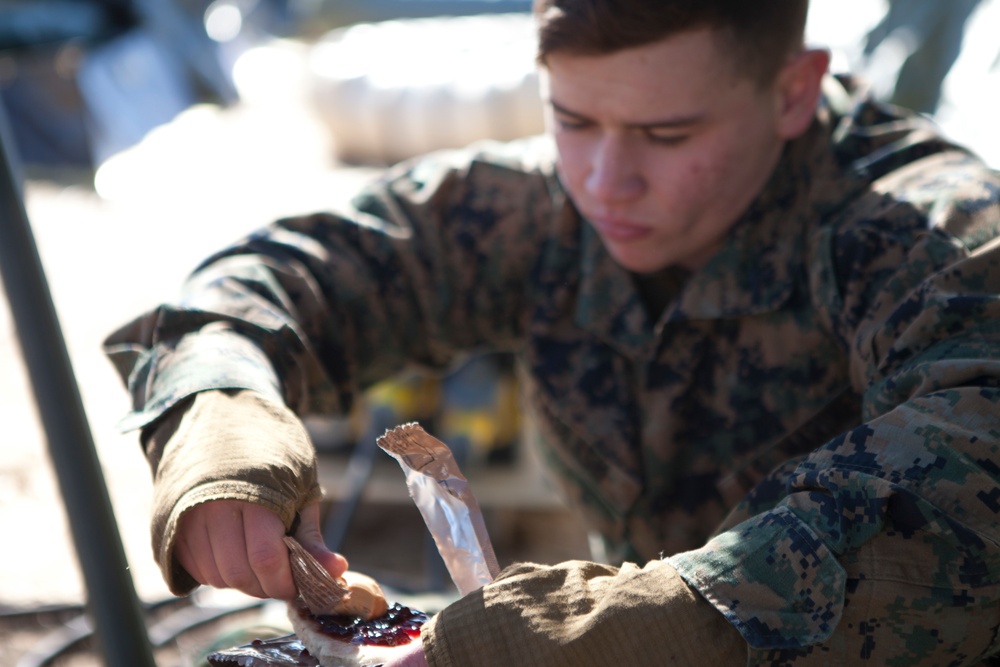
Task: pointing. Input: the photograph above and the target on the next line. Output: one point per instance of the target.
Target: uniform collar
(758, 267)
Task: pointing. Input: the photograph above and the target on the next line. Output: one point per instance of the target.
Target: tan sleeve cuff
(583, 614)
(225, 445)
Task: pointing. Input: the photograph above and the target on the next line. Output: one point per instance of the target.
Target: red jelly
(399, 625)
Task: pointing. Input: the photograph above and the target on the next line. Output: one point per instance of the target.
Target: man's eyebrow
(667, 123)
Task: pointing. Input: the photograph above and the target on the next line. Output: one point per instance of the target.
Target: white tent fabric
(391, 90)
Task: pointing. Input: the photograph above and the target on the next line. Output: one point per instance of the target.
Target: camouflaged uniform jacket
(838, 360)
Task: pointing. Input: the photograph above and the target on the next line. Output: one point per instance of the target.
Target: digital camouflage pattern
(821, 400)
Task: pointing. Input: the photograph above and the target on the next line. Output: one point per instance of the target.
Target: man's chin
(640, 262)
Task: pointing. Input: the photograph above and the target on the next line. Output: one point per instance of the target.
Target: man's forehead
(659, 82)
(698, 52)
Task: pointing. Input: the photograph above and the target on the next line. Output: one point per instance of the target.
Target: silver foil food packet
(443, 496)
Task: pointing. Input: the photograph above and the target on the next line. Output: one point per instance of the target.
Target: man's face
(662, 147)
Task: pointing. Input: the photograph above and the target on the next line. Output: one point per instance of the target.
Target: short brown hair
(760, 33)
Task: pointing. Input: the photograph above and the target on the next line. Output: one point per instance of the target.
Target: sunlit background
(322, 89)
(208, 120)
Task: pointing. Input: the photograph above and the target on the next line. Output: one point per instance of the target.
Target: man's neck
(659, 288)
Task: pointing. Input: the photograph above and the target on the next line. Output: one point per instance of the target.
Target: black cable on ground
(8, 612)
(189, 618)
(71, 634)
(57, 642)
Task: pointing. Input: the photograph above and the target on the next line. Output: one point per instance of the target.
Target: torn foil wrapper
(286, 651)
(444, 498)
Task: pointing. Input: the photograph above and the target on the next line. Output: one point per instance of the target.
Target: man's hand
(235, 544)
(411, 655)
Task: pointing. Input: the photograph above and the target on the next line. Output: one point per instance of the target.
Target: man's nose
(614, 173)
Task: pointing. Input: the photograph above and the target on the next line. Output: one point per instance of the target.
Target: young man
(752, 308)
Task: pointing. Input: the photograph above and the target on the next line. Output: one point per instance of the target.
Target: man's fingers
(267, 553)
(229, 547)
(193, 549)
(233, 544)
(187, 560)
(409, 655)
(311, 539)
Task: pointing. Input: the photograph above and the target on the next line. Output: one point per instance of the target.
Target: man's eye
(666, 139)
(571, 124)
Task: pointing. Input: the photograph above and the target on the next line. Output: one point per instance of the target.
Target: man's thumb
(311, 539)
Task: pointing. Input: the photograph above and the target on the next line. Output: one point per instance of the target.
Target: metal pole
(112, 599)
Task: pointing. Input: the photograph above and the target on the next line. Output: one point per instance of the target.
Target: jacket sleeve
(429, 262)
(225, 445)
(910, 494)
(581, 613)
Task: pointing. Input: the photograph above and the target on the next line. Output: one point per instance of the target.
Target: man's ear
(798, 88)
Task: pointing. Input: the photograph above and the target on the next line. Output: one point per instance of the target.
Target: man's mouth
(620, 230)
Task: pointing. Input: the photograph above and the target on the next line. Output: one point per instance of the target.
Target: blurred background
(152, 132)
